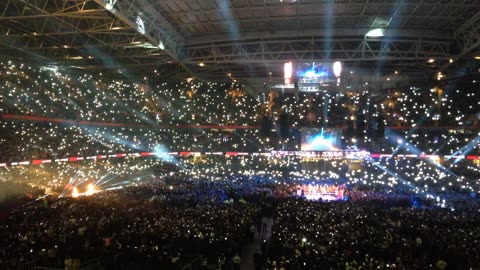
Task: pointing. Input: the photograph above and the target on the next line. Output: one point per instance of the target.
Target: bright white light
(109, 4)
(287, 71)
(140, 25)
(337, 68)
(161, 46)
(50, 68)
(377, 32)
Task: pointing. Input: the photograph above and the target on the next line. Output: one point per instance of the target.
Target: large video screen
(316, 139)
(314, 72)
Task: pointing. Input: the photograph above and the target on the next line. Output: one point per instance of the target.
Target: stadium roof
(245, 38)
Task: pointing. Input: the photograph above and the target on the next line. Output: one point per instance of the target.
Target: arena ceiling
(239, 38)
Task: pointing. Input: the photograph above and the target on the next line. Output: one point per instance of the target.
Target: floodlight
(337, 68)
(377, 32)
(140, 25)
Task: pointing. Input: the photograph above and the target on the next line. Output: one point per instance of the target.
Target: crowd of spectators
(167, 223)
(419, 176)
(401, 213)
(21, 141)
(379, 232)
(45, 92)
(173, 221)
(152, 113)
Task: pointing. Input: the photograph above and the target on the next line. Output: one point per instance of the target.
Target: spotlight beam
(465, 149)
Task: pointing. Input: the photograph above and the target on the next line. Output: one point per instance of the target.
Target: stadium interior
(239, 134)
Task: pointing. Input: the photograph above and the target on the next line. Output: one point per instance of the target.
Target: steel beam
(468, 35)
(62, 22)
(316, 49)
(318, 32)
(156, 28)
(79, 14)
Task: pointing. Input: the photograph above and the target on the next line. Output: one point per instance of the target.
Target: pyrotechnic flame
(90, 190)
(75, 192)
